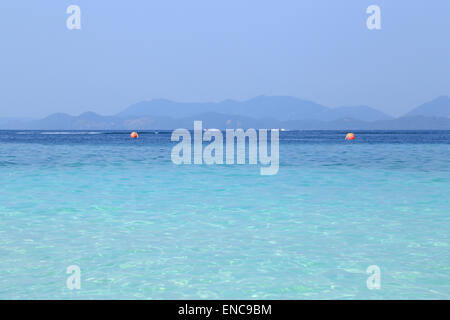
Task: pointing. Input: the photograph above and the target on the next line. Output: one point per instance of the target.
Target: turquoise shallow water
(141, 227)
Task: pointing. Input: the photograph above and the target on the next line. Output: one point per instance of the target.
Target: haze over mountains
(260, 112)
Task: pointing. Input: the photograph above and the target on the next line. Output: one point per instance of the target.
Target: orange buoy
(350, 136)
(134, 135)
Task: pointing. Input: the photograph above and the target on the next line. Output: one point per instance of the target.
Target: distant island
(260, 112)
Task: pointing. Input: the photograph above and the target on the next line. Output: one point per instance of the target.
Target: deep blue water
(139, 226)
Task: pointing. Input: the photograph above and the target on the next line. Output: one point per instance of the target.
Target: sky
(212, 50)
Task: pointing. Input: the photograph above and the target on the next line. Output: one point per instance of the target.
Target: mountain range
(259, 112)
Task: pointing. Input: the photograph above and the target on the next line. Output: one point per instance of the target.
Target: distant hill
(363, 113)
(85, 121)
(439, 107)
(260, 112)
(277, 107)
(163, 107)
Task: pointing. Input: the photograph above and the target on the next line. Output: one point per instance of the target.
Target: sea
(137, 226)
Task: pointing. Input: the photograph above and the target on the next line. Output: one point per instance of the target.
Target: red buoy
(134, 135)
(350, 136)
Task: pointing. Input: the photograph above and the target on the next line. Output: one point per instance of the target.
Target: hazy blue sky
(210, 50)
